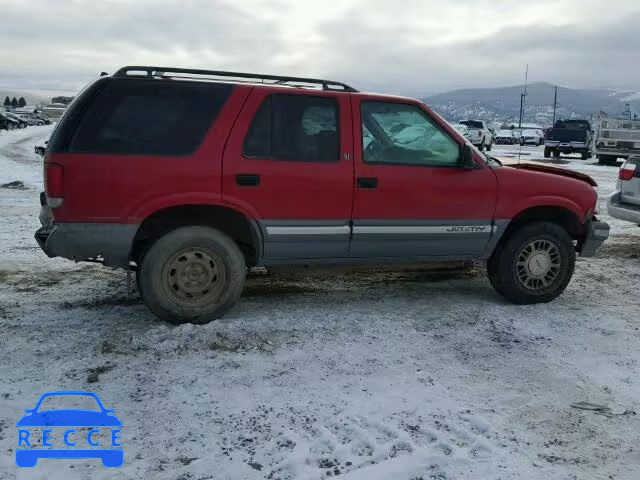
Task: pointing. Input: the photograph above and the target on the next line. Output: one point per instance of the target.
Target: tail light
(54, 184)
(627, 171)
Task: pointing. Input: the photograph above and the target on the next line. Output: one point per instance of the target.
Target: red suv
(189, 177)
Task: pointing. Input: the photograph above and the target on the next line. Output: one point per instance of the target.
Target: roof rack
(238, 77)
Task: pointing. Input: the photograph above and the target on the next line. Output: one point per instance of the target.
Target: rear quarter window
(149, 117)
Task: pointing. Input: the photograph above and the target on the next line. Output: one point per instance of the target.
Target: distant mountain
(503, 104)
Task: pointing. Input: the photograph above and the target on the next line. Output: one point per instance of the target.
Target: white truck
(479, 133)
(616, 138)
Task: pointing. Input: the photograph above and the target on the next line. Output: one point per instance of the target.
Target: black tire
(607, 160)
(547, 152)
(584, 155)
(489, 147)
(481, 146)
(189, 259)
(556, 153)
(506, 274)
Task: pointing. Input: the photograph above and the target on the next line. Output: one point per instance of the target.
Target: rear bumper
(621, 210)
(565, 145)
(107, 242)
(597, 233)
(618, 152)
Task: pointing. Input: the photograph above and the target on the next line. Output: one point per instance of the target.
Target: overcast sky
(414, 47)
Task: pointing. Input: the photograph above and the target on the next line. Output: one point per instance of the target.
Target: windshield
(69, 402)
(573, 124)
(471, 123)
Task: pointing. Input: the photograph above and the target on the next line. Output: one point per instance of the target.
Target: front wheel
(489, 147)
(192, 275)
(534, 264)
(547, 152)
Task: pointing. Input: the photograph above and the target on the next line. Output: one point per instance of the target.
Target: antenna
(522, 103)
(555, 104)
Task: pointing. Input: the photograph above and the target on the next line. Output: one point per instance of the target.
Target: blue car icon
(98, 422)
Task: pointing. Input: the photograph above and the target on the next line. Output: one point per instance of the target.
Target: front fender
(508, 211)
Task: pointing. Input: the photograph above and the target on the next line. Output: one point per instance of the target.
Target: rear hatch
(566, 135)
(630, 181)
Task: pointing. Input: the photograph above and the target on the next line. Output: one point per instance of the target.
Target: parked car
(616, 138)
(9, 122)
(19, 122)
(531, 137)
(505, 137)
(204, 177)
(481, 136)
(624, 203)
(462, 130)
(43, 119)
(569, 136)
(35, 119)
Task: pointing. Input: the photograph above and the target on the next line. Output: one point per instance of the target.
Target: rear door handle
(248, 180)
(367, 182)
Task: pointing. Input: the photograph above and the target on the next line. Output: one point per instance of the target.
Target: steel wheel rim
(538, 264)
(193, 276)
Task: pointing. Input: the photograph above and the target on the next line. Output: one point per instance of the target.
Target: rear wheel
(192, 274)
(607, 160)
(489, 147)
(534, 264)
(556, 153)
(547, 152)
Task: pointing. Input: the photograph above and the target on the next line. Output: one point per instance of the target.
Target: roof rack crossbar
(277, 79)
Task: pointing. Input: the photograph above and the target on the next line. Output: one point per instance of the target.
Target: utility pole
(555, 104)
(523, 96)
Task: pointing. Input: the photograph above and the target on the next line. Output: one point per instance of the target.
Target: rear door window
(299, 128)
(150, 117)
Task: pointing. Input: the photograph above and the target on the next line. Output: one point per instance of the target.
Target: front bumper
(622, 210)
(597, 233)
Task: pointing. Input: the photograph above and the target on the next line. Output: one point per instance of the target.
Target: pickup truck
(480, 134)
(616, 138)
(569, 136)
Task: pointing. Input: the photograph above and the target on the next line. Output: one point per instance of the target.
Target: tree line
(15, 103)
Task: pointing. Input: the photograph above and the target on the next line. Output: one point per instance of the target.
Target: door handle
(367, 182)
(248, 180)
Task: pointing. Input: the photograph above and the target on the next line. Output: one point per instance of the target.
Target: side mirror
(466, 158)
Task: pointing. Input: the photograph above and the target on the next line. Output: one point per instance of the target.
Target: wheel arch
(560, 215)
(240, 227)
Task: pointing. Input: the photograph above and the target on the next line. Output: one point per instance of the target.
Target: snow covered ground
(403, 374)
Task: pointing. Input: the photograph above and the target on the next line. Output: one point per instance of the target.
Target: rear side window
(295, 128)
(149, 117)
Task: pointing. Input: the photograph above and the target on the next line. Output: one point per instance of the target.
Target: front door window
(401, 134)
